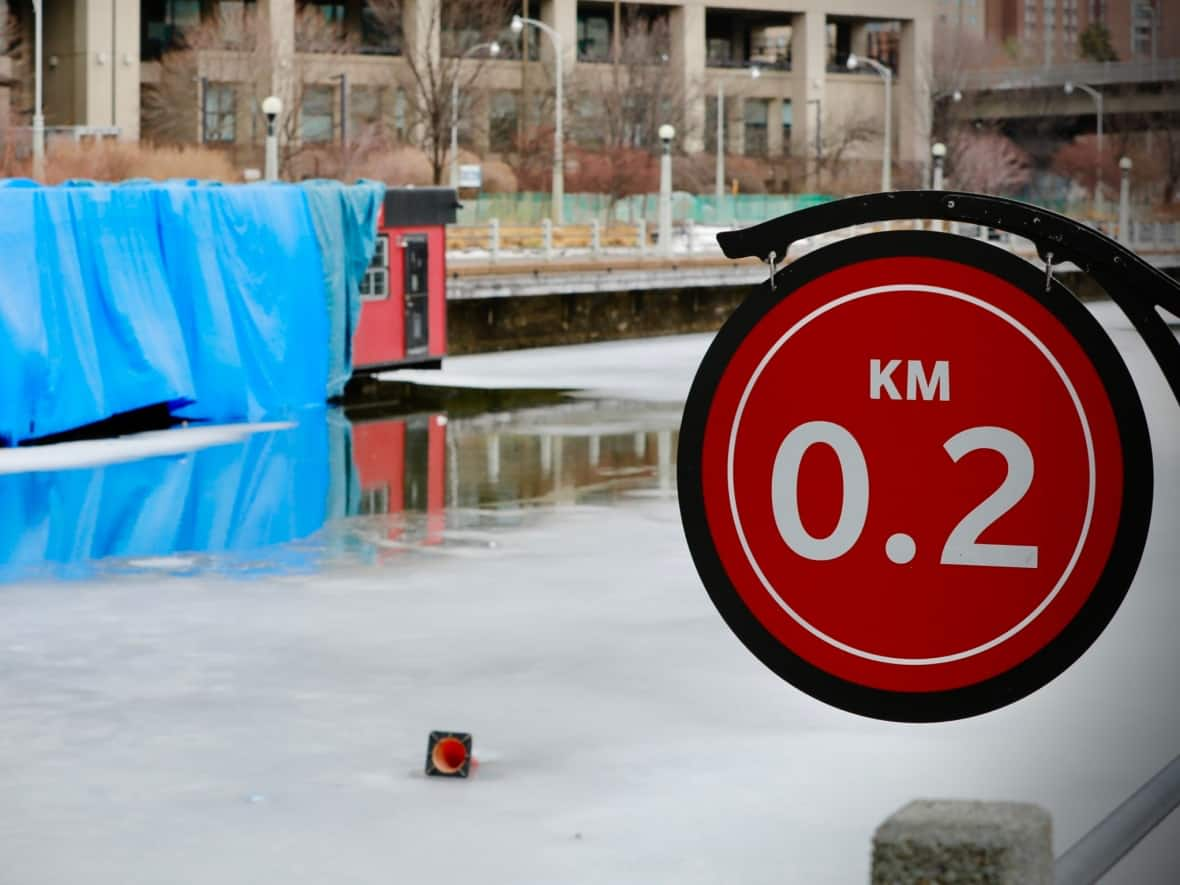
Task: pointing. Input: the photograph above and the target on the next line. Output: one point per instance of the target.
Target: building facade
(1050, 31)
(103, 58)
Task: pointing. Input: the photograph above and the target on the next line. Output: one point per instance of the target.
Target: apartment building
(102, 57)
(1049, 31)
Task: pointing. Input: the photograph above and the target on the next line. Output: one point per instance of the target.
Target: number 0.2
(962, 546)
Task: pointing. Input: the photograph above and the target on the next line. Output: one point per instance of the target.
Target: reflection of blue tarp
(268, 489)
(113, 298)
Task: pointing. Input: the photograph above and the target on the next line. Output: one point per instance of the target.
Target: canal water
(324, 489)
(222, 652)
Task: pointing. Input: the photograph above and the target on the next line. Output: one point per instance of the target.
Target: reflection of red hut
(403, 296)
(400, 464)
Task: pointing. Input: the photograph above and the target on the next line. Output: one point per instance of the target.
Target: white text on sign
(918, 384)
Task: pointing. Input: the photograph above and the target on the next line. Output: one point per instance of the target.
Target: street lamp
(493, 49)
(1125, 200)
(518, 23)
(755, 73)
(886, 159)
(38, 116)
(666, 133)
(1070, 86)
(938, 152)
(272, 106)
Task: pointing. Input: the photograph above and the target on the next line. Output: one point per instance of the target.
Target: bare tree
(986, 161)
(236, 51)
(436, 37)
(15, 74)
(619, 108)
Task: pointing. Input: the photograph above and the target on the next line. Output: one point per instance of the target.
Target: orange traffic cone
(448, 754)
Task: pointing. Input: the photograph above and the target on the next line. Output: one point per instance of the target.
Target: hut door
(417, 296)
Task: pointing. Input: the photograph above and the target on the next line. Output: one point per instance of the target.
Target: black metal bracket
(1138, 288)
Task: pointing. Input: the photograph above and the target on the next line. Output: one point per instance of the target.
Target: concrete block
(937, 842)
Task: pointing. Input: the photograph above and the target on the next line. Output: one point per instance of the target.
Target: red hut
(404, 294)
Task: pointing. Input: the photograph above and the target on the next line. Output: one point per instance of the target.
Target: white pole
(558, 159)
(665, 219)
(1101, 197)
(494, 49)
(38, 116)
(272, 154)
(518, 23)
(455, 132)
(720, 144)
(1125, 201)
(887, 153)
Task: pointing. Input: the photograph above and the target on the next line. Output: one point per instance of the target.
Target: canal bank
(678, 298)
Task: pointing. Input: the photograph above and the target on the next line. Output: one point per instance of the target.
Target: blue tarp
(224, 302)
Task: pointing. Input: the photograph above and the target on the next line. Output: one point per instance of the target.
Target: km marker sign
(914, 475)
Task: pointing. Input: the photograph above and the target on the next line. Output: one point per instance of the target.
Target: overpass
(1037, 94)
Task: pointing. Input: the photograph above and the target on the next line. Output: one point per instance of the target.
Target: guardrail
(547, 242)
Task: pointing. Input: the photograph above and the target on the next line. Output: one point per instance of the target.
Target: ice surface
(91, 453)
(653, 369)
(200, 730)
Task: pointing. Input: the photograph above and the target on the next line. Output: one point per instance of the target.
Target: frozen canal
(227, 670)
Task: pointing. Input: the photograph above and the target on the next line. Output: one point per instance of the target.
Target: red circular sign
(912, 489)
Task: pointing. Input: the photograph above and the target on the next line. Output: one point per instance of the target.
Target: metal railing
(542, 241)
(1091, 73)
(1113, 838)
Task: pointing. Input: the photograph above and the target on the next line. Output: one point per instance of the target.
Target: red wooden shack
(404, 294)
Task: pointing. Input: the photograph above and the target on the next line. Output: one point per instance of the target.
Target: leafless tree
(986, 161)
(14, 102)
(236, 50)
(619, 107)
(436, 38)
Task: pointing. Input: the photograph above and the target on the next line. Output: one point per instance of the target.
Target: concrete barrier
(981, 843)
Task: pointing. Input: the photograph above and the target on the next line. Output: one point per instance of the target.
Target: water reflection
(328, 489)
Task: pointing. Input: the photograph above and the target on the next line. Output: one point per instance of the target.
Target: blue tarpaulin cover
(224, 302)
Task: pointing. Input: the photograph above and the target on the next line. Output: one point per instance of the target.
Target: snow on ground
(200, 730)
(134, 447)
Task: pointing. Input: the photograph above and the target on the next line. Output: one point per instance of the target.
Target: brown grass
(119, 161)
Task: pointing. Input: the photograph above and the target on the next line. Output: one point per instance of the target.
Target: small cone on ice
(448, 754)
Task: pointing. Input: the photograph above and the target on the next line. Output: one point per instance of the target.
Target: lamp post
(667, 133)
(38, 116)
(1125, 200)
(272, 106)
(1070, 86)
(518, 23)
(886, 154)
(938, 153)
(493, 49)
(755, 73)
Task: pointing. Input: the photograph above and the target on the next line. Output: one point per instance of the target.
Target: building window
(375, 282)
(315, 115)
(1142, 21)
(788, 119)
(401, 115)
(757, 115)
(364, 109)
(163, 22)
(594, 37)
(502, 117)
(218, 113)
(375, 39)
